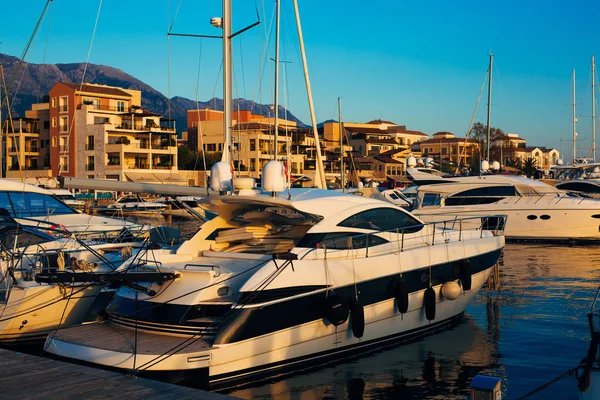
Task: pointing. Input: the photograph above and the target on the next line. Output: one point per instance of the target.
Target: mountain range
(31, 82)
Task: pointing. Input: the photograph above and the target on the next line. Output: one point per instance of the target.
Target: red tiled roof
(447, 140)
(381, 141)
(380, 121)
(97, 89)
(387, 160)
(392, 152)
(416, 133)
(366, 130)
(442, 133)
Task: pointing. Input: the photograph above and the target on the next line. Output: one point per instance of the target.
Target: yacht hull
(292, 347)
(30, 313)
(534, 223)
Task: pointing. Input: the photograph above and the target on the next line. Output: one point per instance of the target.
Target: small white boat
(68, 198)
(33, 206)
(135, 205)
(29, 310)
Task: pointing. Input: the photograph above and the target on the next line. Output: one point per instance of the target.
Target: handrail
(498, 225)
(215, 268)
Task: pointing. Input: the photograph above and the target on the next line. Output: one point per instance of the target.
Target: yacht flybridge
(535, 211)
(284, 277)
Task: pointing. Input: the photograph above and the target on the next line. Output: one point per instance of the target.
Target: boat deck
(25, 376)
(112, 337)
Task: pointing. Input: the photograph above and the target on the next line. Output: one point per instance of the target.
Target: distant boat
(135, 205)
(68, 198)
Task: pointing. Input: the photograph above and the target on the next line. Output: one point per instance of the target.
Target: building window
(220, 146)
(121, 106)
(64, 124)
(63, 104)
(89, 144)
(252, 165)
(252, 144)
(101, 120)
(90, 163)
(54, 102)
(54, 142)
(210, 147)
(54, 122)
(46, 124)
(63, 144)
(64, 164)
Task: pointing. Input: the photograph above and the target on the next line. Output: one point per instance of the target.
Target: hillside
(38, 79)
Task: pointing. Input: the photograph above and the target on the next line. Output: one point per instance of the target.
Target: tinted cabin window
(383, 219)
(26, 204)
(431, 200)
(482, 195)
(340, 240)
(23, 238)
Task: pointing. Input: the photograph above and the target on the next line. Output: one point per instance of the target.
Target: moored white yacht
(535, 211)
(33, 206)
(282, 278)
(133, 204)
(29, 310)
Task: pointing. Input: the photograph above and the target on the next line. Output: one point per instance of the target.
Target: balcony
(100, 107)
(63, 128)
(63, 108)
(63, 148)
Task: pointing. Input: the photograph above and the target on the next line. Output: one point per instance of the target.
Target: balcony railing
(32, 149)
(89, 146)
(101, 107)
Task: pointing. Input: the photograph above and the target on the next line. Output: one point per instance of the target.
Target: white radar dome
(411, 162)
(485, 165)
(220, 177)
(496, 166)
(273, 177)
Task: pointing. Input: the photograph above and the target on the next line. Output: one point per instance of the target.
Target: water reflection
(528, 332)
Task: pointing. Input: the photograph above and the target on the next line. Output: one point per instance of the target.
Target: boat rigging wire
(63, 151)
(464, 149)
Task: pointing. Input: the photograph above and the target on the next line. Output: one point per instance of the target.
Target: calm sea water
(530, 331)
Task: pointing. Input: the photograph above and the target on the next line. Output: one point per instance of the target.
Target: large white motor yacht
(535, 211)
(281, 278)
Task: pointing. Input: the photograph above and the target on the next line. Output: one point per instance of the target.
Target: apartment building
(28, 144)
(444, 146)
(253, 139)
(99, 131)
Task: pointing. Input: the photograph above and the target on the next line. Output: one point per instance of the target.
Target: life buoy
(465, 275)
(357, 314)
(402, 295)
(429, 300)
(335, 309)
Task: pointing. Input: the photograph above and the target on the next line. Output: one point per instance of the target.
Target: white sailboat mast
(342, 131)
(574, 122)
(276, 95)
(594, 109)
(319, 170)
(489, 109)
(227, 89)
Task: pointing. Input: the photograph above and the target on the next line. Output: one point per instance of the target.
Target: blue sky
(419, 64)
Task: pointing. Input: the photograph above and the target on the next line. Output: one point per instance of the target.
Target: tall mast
(276, 100)
(319, 170)
(341, 144)
(574, 122)
(594, 109)
(489, 109)
(227, 90)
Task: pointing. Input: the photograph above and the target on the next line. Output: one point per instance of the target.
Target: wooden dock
(25, 376)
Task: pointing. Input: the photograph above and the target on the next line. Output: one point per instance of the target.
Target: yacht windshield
(28, 204)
